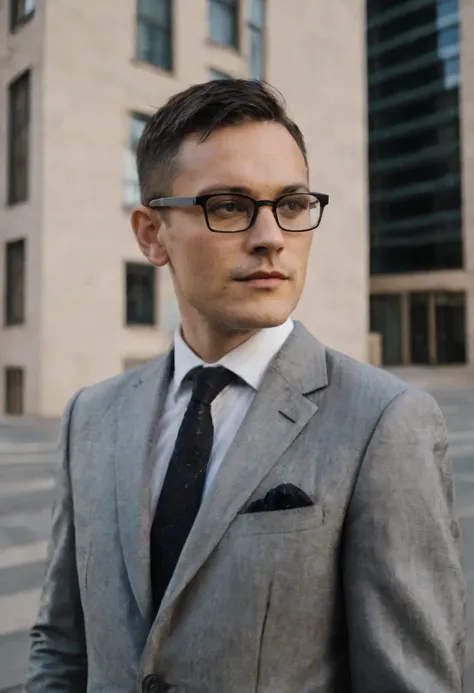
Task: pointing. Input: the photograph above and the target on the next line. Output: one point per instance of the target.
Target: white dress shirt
(249, 361)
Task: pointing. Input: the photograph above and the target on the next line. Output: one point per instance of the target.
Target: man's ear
(148, 227)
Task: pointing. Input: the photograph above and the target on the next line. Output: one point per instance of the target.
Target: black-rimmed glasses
(236, 212)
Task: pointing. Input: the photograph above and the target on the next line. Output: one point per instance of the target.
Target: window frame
(236, 10)
(18, 161)
(156, 25)
(153, 272)
(255, 29)
(18, 18)
(14, 285)
(214, 74)
(132, 116)
(10, 371)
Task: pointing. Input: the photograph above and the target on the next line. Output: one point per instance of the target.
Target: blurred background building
(420, 56)
(77, 83)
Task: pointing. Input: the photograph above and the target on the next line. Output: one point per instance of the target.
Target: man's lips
(255, 276)
(264, 279)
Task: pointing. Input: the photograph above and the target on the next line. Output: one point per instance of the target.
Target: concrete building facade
(90, 78)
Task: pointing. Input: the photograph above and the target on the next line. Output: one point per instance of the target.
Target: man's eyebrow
(225, 188)
(293, 187)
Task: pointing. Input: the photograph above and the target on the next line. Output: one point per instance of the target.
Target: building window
(447, 8)
(15, 283)
(415, 171)
(451, 73)
(18, 139)
(448, 36)
(132, 187)
(14, 386)
(154, 33)
(21, 11)
(224, 22)
(256, 29)
(140, 293)
(215, 74)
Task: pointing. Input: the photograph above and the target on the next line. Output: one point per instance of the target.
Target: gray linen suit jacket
(362, 592)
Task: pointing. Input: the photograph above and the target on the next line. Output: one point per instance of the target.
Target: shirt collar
(249, 361)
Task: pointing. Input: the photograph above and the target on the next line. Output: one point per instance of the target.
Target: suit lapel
(278, 413)
(138, 412)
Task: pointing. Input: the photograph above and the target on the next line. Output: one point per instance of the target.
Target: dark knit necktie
(183, 486)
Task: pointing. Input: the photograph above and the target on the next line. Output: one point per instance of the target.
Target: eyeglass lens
(231, 212)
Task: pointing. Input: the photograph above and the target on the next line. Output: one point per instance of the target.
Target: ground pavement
(26, 494)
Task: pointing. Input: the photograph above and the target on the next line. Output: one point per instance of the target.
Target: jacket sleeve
(403, 582)
(58, 658)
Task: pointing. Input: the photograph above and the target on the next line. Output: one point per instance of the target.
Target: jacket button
(154, 684)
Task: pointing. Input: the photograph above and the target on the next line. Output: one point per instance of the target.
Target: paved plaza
(27, 460)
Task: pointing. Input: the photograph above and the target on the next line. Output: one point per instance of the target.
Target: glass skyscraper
(414, 157)
(413, 58)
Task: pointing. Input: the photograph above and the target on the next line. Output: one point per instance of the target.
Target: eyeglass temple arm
(193, 201)
(173, 202)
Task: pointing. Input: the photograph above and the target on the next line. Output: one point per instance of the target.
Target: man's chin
(259, 320)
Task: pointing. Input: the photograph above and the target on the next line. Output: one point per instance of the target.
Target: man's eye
(226, 207)
(294, 204)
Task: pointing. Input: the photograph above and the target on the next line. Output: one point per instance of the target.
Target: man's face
(209, 269)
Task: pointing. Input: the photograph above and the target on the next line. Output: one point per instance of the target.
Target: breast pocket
(278, 521)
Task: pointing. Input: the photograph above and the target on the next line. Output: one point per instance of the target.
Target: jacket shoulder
(367, 383)
(363, 392)
(101, 397)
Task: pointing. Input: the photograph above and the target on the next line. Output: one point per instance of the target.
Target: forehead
(259, 156)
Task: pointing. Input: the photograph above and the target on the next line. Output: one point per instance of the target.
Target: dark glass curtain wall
(414, 156)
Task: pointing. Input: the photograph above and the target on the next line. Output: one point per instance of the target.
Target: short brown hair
(200, 110)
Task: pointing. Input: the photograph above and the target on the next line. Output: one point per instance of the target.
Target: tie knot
(209, 382)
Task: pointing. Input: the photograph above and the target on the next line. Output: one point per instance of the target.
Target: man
(252, 511)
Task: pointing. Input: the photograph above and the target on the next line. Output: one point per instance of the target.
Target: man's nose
(265, 234)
